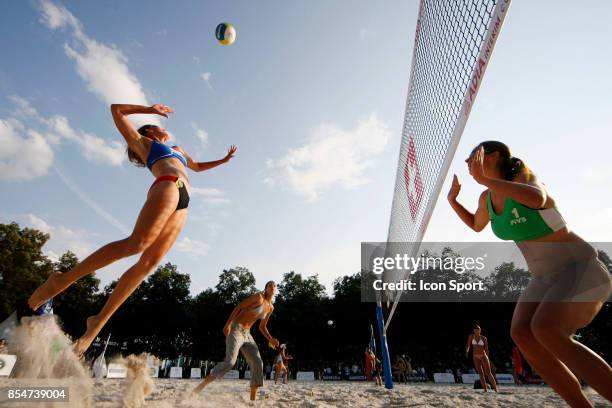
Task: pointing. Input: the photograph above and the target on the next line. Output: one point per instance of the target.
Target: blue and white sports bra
(160, 151)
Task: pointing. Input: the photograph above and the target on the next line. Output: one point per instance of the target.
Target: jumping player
(159, 223)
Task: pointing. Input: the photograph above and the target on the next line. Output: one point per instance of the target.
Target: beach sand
(108, 393)
(358, 394)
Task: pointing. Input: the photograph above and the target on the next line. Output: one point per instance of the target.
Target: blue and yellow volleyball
(225, 33)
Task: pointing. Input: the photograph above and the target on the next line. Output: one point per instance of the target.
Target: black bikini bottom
(183, 201)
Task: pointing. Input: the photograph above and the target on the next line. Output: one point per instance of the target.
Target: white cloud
(211, 196)
(206, 78)
(54, 257)
(25, 111)
(58, 128)
(61, 238)
(93, 148)
(103, 67)
(25, 154)
(192, 246)
(332, 157)
(57, 16)
(201, 134)
(23, 107)
(39, 224)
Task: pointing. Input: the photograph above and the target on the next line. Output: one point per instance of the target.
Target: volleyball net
(453, 44)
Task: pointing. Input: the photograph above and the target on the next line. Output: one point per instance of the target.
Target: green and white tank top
(520, 223)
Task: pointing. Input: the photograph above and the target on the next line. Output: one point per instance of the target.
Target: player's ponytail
(510, 166)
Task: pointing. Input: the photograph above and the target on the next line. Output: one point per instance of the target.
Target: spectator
(408, 364)
(519, 375)
(347, 371)
(370, 361)
(377, 370)
(399, 369)
(268, 371)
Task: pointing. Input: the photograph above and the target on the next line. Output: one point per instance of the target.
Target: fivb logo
(412, 178)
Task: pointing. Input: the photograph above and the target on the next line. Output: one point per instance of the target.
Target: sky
(312, 93)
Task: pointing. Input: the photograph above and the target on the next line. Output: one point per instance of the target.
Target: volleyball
(330, 322)
(225, 33)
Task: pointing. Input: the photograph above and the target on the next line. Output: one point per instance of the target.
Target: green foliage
(294, 287)
(300, 316)
(347, 287)
(507, 281)
(162, 316)
(78, 300)
(155, 317)
(208, 314)
(605, 258)
(235, 284)
(23, 266)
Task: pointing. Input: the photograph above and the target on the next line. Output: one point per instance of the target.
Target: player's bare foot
(253, 393)
(83, 343)
(52, 287)
(196, 391)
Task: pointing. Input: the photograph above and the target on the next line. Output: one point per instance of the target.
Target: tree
(294, 287)
(235, 284)
(605, 258)
(155, 317)
(163, 318)
(168, 299)
(507, 281)
(208, 314)
(77, 302)
(350, 332)
(300, 318)
(23, 266)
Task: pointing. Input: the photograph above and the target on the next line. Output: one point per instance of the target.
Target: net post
(384, 350)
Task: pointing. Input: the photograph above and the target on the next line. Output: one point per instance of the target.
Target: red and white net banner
(412, 178)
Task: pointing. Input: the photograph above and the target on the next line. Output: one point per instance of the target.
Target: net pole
(497, 19)
(384, 350)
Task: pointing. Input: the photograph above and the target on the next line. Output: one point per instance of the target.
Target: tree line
(163, 317)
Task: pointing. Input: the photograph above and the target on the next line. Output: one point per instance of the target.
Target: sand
(46, 355)
(169, 393)
(46, 358)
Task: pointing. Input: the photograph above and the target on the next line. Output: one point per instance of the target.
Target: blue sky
(313, 95)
